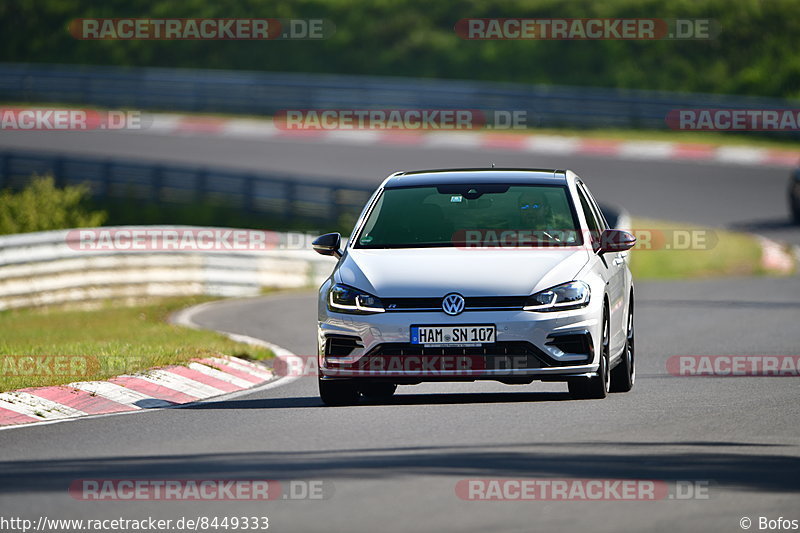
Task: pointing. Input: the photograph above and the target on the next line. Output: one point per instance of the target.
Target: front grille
(472, 303)
(494, 354)
(399, 357)
(434, 363)
(500, 355)
(497, 348)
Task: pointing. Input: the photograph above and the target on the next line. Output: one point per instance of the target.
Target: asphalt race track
(394, 466)
(748, 198)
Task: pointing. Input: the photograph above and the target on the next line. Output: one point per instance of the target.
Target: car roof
(477, 176)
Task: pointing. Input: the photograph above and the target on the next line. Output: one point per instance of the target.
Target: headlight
(344, 299)
(570, 295)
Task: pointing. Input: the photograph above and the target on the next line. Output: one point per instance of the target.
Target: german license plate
(459, 336)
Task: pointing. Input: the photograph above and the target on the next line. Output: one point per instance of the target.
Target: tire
(337, 392)
(377, 390)
(624, 374)
(597, 386)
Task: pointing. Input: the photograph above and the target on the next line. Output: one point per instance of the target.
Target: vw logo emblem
(453, 304)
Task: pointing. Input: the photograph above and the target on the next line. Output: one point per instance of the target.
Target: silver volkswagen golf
(477, 274)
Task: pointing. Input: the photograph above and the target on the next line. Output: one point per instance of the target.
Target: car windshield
(471, 216)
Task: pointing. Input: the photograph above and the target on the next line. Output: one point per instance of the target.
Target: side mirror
(328, 244)
(616, 240)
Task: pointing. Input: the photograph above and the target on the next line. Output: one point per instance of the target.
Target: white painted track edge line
(185, 317)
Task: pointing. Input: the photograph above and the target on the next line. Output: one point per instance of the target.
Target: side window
(591, 219)
(601, 221)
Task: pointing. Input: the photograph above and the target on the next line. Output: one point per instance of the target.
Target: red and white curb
(775, 257)
(254, 129)
(221, 378)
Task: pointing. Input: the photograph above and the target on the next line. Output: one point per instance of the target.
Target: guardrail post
(5, 169)
(201, 186)
(58, 172)
(333, 205)
(106, 173)
(291, 193)
(249, 191)
(156, 183)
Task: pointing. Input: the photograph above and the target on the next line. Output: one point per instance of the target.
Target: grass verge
(681, 251)
(112, 339)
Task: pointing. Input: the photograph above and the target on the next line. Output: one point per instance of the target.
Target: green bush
(755, 52)
(42, 206)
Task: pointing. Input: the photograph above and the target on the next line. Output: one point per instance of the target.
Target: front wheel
(624, 375)
(597, 386)
(337, 392)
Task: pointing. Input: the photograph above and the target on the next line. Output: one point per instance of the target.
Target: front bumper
(528, 346)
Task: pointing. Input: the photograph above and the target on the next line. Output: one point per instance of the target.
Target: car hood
(434, 272)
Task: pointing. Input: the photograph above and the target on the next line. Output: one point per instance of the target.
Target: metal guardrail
(285, 196)
(266, 93)
(47, 268)
(54, 267)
